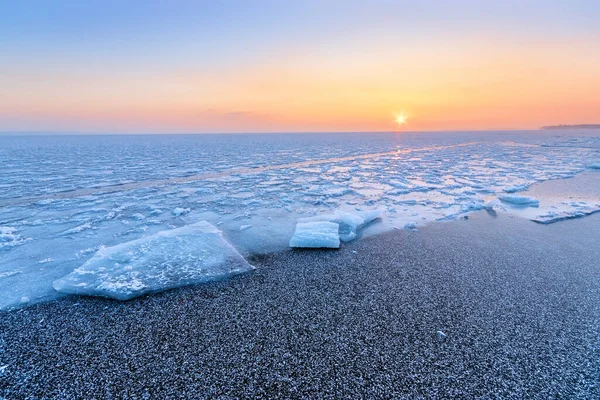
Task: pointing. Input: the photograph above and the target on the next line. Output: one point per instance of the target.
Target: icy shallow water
(63, 198)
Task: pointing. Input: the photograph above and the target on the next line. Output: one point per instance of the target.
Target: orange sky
(358, 82)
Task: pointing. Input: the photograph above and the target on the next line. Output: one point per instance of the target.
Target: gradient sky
(273, 66)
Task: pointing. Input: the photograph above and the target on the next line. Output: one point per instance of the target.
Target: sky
(297, 66)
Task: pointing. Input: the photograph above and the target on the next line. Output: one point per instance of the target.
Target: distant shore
(581, 126)
(484, 307)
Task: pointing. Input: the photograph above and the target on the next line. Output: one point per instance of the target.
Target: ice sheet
(63, 198)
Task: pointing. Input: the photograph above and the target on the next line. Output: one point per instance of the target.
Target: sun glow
(401, 119)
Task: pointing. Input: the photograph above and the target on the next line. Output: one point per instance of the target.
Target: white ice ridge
(522, 201)
(172, 258)
(10, 237)
(326, 231)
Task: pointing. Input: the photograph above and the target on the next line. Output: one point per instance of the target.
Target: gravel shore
(518, 304)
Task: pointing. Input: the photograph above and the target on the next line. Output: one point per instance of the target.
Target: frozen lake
(64, 198)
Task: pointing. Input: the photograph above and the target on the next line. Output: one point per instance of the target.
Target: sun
(401, 119)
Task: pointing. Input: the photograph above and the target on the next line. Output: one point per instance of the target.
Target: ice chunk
(178, 211)
(7, 234)
(474, 205)
(316, 234)
(411, 226)
(369, 216)
(595, 165)
(351, 220)
(523, 201)
(491, 204)
(172, 258)
(516, 188)
(349, 223)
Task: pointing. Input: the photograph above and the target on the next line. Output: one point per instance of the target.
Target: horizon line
(108, 133)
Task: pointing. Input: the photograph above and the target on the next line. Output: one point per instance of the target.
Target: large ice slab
(172, 258)
(316, 234)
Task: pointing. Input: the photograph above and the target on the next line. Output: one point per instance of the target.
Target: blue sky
(72, 31)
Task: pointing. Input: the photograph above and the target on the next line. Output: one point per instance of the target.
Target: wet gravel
(517, 303)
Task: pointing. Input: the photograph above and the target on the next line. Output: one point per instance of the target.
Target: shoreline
(516, 300)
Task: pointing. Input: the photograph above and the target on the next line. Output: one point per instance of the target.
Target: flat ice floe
(183, 256)
(552, 216)
(521, 201)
